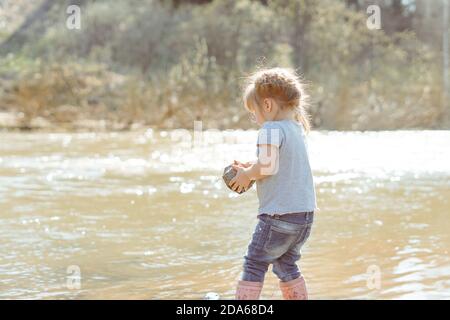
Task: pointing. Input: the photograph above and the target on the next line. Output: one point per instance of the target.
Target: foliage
(183, 63)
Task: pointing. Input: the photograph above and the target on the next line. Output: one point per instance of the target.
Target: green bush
(186, 63)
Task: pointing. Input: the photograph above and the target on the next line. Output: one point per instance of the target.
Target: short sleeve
(271, 133)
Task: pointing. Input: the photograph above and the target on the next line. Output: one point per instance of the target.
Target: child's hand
(241, 181)
(241, 164)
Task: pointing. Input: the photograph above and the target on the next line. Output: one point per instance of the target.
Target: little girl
(287, 199)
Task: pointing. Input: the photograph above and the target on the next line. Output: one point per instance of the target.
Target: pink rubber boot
(294, 289)
(248, 290)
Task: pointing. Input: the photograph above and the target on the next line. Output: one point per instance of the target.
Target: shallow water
(145, 215)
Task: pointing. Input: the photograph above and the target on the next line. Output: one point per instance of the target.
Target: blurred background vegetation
(167, 63)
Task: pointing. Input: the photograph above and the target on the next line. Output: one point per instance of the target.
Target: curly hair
(284, 86)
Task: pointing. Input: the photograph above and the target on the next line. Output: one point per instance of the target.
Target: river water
(145, 215)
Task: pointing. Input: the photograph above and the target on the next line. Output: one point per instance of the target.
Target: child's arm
(266, 165)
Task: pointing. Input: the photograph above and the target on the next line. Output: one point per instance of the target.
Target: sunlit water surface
(145, 215)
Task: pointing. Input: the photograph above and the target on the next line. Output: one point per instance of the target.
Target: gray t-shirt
(291, 188)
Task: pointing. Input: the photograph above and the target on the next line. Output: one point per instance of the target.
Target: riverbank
(12, 121)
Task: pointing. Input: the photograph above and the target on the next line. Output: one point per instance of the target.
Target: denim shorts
(277, 240)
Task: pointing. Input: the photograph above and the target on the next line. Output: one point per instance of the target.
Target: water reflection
(145, 216)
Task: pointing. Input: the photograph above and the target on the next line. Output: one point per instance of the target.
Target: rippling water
(145, 215)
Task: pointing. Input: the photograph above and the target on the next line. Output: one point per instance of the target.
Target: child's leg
(256, 264)
(285, 267)
(294, 289)
(271, 240)
(255, 268)
(248, 290)
(256, 261)
(292, 283)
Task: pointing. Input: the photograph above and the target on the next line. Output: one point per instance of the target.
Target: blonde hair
(284, 86)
